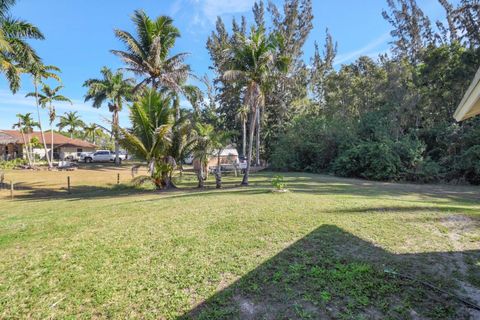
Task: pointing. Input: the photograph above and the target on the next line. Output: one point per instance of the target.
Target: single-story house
(470, 104)
(12, 145)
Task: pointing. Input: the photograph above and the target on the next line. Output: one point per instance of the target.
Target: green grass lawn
(316, 252)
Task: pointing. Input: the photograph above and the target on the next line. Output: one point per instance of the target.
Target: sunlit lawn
(316, 252)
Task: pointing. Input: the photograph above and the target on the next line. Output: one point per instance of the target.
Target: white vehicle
(101, 156)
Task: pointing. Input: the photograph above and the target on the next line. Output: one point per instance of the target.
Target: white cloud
(175, 7)
(371, 49)
(19, 100)
(11, 104)
(207, 11)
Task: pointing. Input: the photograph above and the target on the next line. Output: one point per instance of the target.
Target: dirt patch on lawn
(458, 226)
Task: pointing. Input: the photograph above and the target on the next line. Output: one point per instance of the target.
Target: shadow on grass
(331, 274)
(409, 210)
(261, 183)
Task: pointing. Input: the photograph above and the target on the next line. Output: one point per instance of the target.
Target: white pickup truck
(101, 156)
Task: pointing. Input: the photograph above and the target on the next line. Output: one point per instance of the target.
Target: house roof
(13, 136)
(470, 104)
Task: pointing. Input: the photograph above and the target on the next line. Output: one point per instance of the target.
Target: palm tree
(46, 98)
(183, 137)
(15, 52)
(249, 63)
(242, 116)
(25, 125)
(150, 137)
(91, 131)
(220, 140)
(148, 54)
(72, 121)
(39, 71)
(191, 92)
(115, 89)
(204, 149)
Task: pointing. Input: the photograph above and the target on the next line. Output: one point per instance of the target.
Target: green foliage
(278, 182)
(470, 164)
(390, 119)
(369, 160)
(12, 164)
(150, 138)
(310, 144)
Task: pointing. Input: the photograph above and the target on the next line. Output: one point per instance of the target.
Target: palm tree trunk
(253, 120)
(40, 126)
(259, 120)
(200, 176)
(115, 136)
(244, 137)
(30, 149)
(218, 173)
(51, 132)
(177, 108)
(25, 146)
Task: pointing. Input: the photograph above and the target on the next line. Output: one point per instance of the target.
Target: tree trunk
(26, 147)
(30, 150)
(115, 136)
(51, 142)
(218, 173)
(244, 137)
(250, 147)
(52, 116)
(259, 120)
(40, 126)
(177, 108)
(201, 180)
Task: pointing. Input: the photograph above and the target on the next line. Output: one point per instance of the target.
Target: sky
(79, 36)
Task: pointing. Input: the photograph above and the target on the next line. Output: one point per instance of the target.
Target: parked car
(101, 156)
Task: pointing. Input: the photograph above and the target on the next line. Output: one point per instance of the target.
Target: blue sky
(79, 35)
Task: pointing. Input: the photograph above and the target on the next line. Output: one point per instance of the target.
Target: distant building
(12, 145)
(470, 104)
(228, 156)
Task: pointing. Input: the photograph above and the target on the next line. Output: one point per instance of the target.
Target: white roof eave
(470, 101)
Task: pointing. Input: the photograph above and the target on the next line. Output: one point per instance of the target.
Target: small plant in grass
(279, 184)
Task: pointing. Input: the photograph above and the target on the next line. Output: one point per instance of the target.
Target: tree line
(383, 118)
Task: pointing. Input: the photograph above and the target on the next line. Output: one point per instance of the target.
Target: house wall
(40, 152)
(72, 152)
(62, 152)
(11, 151)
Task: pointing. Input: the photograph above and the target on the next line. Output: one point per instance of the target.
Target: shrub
(12, 164)
(369, 160)
(470, 165)
(426, 171)
(309, 145)
(278, 183)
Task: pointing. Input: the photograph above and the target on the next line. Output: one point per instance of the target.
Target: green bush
(310, 144)
(11, 164)
(369, 160)
(427, 171)
(470, 165)
(278, 183)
